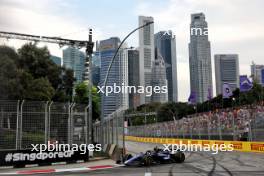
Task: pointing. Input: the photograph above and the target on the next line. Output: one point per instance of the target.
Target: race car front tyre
(147, 160)
(127, 157)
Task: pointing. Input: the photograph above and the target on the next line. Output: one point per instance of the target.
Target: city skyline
(229, 33)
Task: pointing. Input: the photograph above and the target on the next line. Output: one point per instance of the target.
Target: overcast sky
(235, 26)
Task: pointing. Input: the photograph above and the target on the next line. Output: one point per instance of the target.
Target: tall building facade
(133, 77)
(146, 54)
(200, 58)
(226, 71)
(257, 73)
(165, 43)
(56, 60)
(96, 61)
(159, 78)
(75, 60)
(118, 75)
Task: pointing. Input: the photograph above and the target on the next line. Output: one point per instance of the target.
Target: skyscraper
(159, 78)
(75, 60)
(200, 57)
(165, 43)
(133, 77)
(96, 61)
(118, 75)
(257, 72)
(56, 60)
(226, 71)
(146, 54)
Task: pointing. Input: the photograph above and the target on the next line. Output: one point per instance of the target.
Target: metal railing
(23, 123)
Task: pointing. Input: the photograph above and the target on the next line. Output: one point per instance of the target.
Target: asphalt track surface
(196, 164)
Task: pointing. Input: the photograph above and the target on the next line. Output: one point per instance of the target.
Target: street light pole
(107, 74)
(89, 52)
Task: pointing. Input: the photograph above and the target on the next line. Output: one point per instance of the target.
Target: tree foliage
(82, 96)
(30, 74)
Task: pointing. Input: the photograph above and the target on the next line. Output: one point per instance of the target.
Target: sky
(235, 27)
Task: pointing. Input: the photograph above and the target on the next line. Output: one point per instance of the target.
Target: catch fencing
(23, 123)
(111, 130)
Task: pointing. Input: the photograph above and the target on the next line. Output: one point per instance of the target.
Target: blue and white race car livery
(157, 156)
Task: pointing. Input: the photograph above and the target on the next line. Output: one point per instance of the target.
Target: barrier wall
(238, 145)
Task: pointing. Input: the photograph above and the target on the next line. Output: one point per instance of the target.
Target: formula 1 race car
(157, 156)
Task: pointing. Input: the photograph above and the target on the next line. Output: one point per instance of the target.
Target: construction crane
(65, 42)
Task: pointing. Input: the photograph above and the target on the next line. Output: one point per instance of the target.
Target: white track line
(148, 174)
(91, 168)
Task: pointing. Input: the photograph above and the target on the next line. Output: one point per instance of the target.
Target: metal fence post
(112, 127)
(191, 133)
(18, 126)
(90, 124)
(49, 120)
(199, 128)
(21, 125)
(107, 131)
(219, 126)
(86, 121)
(116, 128)
(47, 114)
(70, 123)
(123, 133)
(104, 131)
(208, 129)
(233, 127)
(183, 132)
(249, 126)
(176, 130)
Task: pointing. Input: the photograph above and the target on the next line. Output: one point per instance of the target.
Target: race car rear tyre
(179, 157)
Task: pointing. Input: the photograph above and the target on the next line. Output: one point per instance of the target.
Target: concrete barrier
(111, 149)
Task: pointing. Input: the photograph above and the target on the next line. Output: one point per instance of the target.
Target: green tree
(8, 75)
(37, 62)
(64, 91)
(40, 89)
(18, 87)
(82, 96)
(24, 71)
(174, 111)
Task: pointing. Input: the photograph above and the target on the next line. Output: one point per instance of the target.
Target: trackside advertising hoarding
(237, 145)
(24, 157)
